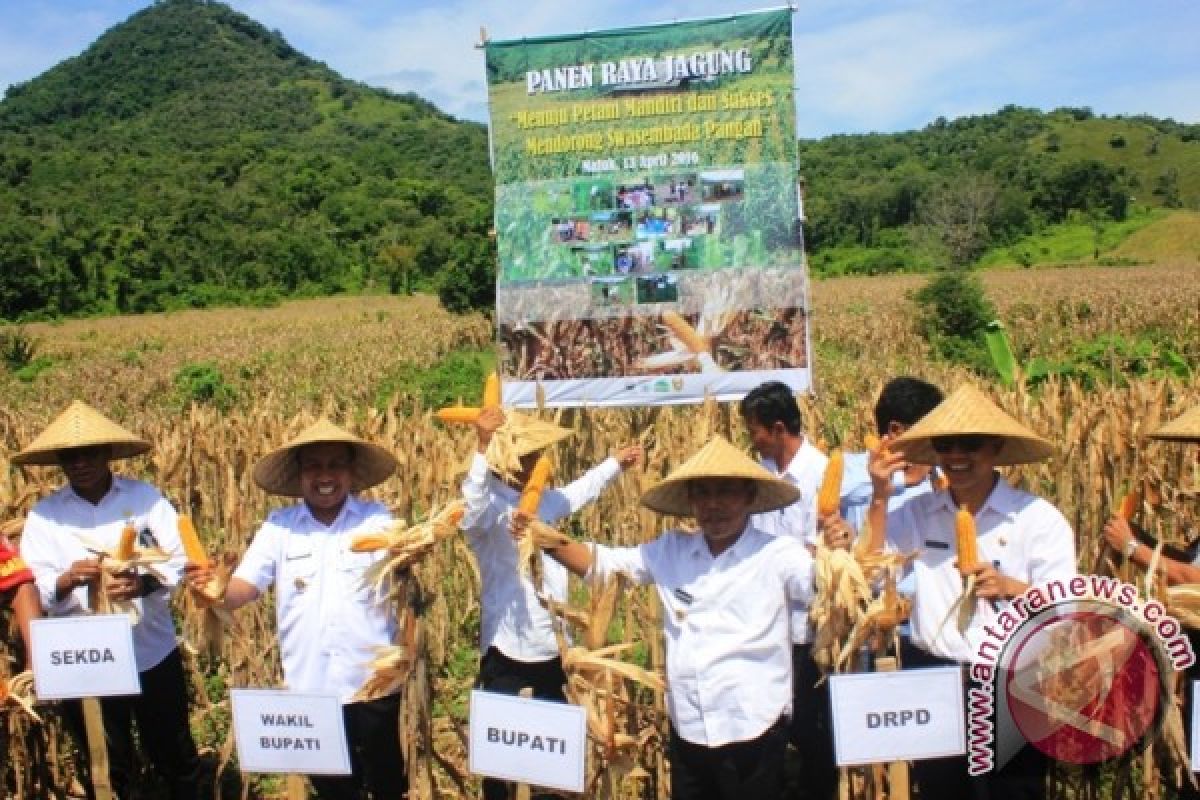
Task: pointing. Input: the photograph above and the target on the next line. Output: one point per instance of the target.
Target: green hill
(191, 156)
(1044, 175)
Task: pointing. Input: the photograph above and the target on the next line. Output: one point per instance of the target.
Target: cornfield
(328, 357)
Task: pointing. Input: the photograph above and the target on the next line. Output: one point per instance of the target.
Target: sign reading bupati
(530, 741)
(289, 732)
(85, 656)
(897, 716)
(647, 213)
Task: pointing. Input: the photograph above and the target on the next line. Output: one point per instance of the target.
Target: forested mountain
(191, 156)
(1009, 174)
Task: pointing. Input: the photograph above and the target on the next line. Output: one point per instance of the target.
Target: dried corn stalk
(18, 691)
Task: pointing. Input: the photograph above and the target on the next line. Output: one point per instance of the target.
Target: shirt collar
(114, 490)
(352, 508)
(1001, 501)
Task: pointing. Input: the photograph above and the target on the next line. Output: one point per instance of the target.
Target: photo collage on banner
(647, 213)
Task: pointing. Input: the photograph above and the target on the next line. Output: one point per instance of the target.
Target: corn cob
(369, 542)
(684, 332)
(126, 545)
(458, 415)
(531, 495)
(1130, 504)
(871, 442)
(829, 497)
(964, 536)
(191, 543)
(491, 391)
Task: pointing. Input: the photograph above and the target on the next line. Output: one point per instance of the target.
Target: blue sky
(861, 65)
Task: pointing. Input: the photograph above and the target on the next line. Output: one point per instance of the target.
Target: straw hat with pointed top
(80, 426)
(970, 411)
(521, 435)
(278, 472)
(718, 459)
(1184, 429)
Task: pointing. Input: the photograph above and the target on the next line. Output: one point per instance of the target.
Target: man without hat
(330, 621)
(726, 591)
(62, 535)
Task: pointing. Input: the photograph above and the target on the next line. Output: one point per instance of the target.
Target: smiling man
(1022, 540)
(329, 620)
(726, 591)
(62, 536)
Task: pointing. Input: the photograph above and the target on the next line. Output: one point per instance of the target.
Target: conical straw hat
(718, 459)
(1184, 429)
(80, 426)
(278, 472)
(521, 435)
(969, 411)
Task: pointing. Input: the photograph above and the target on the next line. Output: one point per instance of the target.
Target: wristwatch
(1131, 546)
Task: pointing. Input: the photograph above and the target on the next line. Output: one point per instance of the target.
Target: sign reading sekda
(647, 213)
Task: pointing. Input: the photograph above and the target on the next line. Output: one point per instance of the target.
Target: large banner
(647, 213)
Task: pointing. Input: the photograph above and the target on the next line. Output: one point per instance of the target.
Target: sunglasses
(967, 443)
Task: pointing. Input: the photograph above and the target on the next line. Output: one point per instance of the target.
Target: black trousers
(811, 731)
(503, 675)
(736, 771)
(376, 761)
(1022, 778)
(161, 713)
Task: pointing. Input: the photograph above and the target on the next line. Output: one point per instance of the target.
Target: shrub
(204, 384)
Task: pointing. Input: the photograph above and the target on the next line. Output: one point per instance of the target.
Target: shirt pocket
(299, 571)
(352, 572)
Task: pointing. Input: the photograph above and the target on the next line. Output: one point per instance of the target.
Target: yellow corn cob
(871, 442)
(369, 542)
(192, 549)
(964, 536)
(491, 391)
(684, 332)
(531, 495)
(1130, 504)
(458, 415)
(829, 498)
(128, 540)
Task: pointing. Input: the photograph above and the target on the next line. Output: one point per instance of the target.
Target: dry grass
(311, 357)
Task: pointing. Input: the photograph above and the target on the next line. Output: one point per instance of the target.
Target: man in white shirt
(1022, 540)
(517, 645)
(775, 426)
(62, 535)
(726, 591)
(330, 621)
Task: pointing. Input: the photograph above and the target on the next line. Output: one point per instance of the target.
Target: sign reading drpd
(529, 741)
(897, 716)
(289, 732)
(85, 656)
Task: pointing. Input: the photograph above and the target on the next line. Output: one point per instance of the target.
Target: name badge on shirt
(684, 597)
(936, 545)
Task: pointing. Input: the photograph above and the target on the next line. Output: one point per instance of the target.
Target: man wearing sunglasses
(1021, 540)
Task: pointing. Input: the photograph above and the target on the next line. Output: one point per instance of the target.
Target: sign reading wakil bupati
(281, 731)
(530, 741)
(84, 656)
(647, 213)
(897, 716)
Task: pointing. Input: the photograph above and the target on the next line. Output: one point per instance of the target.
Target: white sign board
(528, 741)
(1195, 728)
(897, 716)
(84, 656)
(281, 731)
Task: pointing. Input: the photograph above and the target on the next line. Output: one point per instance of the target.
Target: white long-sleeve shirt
(1024, 536)
(726, 621)
(60, 529)
(329, 620)
(798, 520)
(513, 621)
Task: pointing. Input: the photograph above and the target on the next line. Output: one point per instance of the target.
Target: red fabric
(13, 571)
